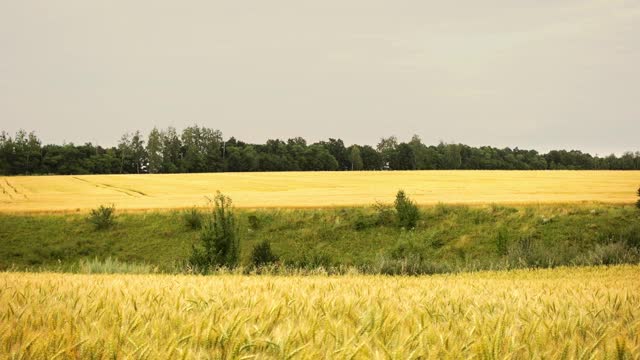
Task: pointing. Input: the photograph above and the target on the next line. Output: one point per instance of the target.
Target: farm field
(24, 194)
(561, 313)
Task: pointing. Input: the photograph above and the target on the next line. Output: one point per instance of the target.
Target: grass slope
(447, 238)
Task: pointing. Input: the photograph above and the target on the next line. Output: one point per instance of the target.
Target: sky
(536, 74)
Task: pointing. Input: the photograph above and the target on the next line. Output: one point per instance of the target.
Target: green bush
(406, 211)
(638, 202)
(262, 254)
(193, 218)
(103, 217)
(609, 254)
(219, 241)
(254, 222)
(385, 215)
(313, 259)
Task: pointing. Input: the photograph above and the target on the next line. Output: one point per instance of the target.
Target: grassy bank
(447, 238)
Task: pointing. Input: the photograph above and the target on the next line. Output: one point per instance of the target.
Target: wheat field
(563, 313)
(313, 189)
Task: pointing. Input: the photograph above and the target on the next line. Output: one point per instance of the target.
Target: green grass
(446, 238)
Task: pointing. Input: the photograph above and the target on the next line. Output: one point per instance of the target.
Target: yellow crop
(314, 189)
(561, 313)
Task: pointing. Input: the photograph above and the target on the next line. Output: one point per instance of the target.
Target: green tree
(154, 151)
(241, 158)
(124, 148)
(371, 159)
(424, 159)
(317, 157)
(171, 150)
(451, 158)
(138, 153)
(219, 240)
(339, 152)
(387, 149)
(406, 210)
(404, 158)
(5, 150)
(355, 157)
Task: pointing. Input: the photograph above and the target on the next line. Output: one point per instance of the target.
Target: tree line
(201, 149)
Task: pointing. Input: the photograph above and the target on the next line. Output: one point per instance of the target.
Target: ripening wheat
(569, 312)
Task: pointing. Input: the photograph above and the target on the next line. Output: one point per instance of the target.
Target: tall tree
(371, 159)
(171, 151)
(339, 152)
(124, 147)
(154, 151)
(138, 153)
(355, 157)
(387, 148)
(405, 159)
(6, 147)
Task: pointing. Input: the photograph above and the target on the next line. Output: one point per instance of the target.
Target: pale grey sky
(536, 74)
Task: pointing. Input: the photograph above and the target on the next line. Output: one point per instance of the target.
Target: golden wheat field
(581, 313)
(313, 189)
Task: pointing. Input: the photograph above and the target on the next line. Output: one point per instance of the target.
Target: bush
(254, 222)
(262, 254)
(313, 260)
(220, 245)
(192, 218)
(609, 254)
(384, 214)
(638, 202)
(103, 217)
(406, 211)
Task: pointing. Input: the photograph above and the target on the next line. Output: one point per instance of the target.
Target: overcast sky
(536, 74)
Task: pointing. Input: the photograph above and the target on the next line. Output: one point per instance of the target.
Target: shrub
(254, 222)
(384, 214)
(262, 254)
(406, 211)
(192, 218)
(220, 245)
(609, 254)
(103, 217)
(638, 202)
(313, 259)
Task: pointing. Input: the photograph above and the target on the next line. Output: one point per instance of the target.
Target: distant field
(314, 189)
(561, 313)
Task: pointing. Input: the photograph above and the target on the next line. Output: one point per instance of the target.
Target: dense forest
(200, 149)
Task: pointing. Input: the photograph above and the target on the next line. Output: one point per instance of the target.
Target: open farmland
(313, 189)
(562, 313)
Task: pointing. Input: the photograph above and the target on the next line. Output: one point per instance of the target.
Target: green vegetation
(638, 202)
(406, 211)
(193, 218)
(112, 266)
(262, 254)
(219, 241)
(446, 238)
(103, 217)
(198, 149)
